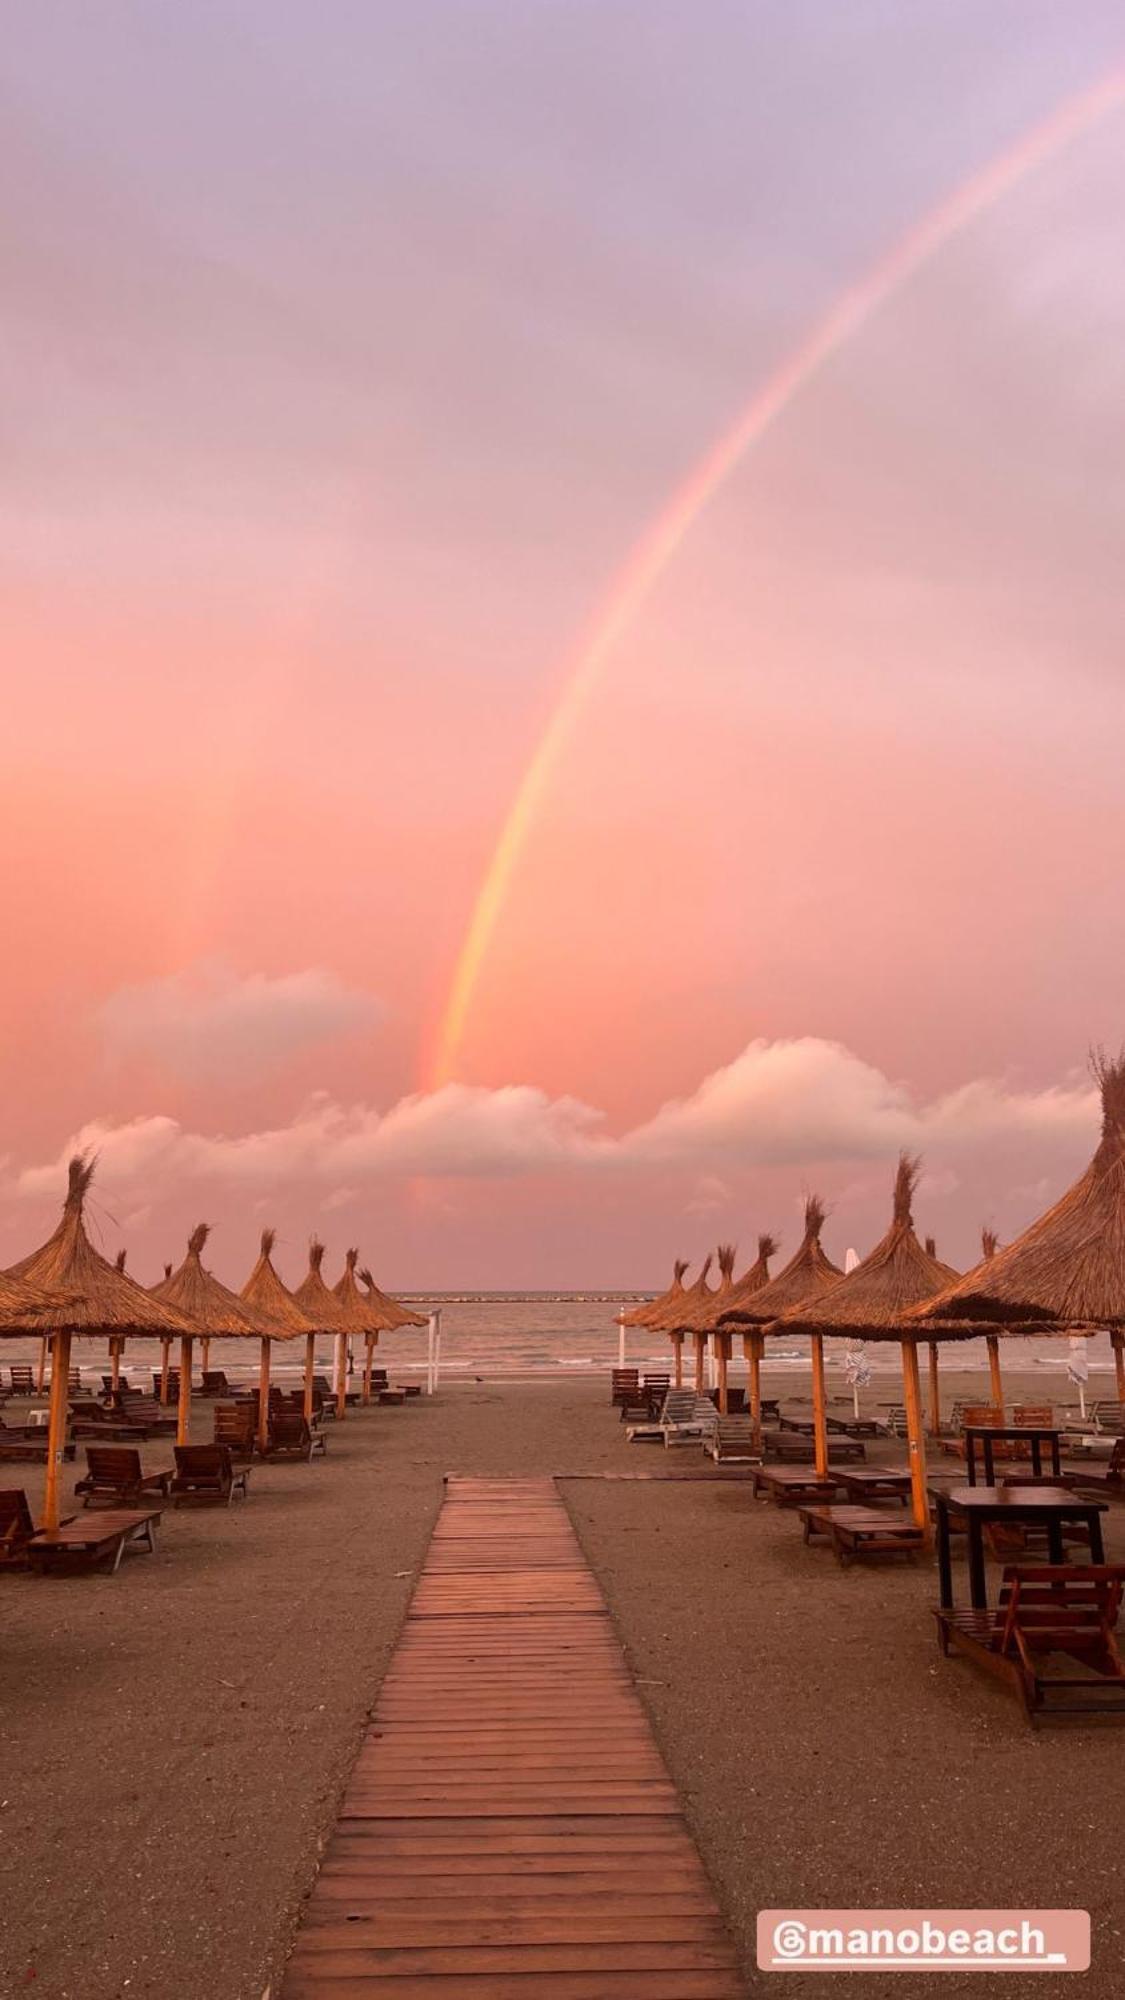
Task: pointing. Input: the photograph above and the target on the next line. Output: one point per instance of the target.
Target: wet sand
(176, 1738)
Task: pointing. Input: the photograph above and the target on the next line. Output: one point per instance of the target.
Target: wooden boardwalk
(509, 1831)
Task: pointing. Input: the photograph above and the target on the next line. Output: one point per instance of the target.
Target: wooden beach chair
(1110, 1483)
(23, 1379)
(93, 1420)
(114, 1474)
(686, 1418)
(235, 1426)
(16, 1528)
(206, 1475)
(215, 1383)
(794, 1485)
(146, 1410)
(624, 1386)
(291, 1437)
(26, 1444)
(1052, 1617)
(862, 1531)
(653, 1390)
(980, 1416)
(732, 1441)
(94, 1541)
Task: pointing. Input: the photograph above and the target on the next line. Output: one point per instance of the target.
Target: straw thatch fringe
(807, 1272)
(270, 1300)
(213, 1309)
(680, 1310)
(381, 1302)
(871, 1301)
(643, 1315)
(1068, 1269)
(119, 1260)
(318, 1304)
(989, 1243)
(68, 1267)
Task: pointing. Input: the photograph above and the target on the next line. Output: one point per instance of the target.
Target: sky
(349, 350)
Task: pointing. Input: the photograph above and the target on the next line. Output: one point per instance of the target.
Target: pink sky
(348, 355)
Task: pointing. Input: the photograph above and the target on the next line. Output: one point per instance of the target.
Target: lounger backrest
(1037, 1416)
(1072, 1608)
(1110, 1419)
(16, 1523)
(202, 1461)
(116, 1464)
(234, 1423)
(289, 1427)
(23, 1381)
(982, 1416)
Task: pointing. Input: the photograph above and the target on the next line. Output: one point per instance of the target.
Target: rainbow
(656, 548)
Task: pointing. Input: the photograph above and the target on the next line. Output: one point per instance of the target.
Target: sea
(548, 1336)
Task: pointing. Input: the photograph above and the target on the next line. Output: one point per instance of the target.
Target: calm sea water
(545, 1336)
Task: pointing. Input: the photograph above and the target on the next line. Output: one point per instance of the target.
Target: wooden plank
(509, 1830)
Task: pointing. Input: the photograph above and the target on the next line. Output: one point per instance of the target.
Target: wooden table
(877, 1483)
(95, 1538)
(1035, 1435)
(1049, 1507)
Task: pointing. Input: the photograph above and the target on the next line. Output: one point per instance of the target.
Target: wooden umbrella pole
(916, 1442)
(264, 1396)
(341, 1375)
(1118, 1339)
(165, 1349)
(183, 1405)
(205, 1353)
(368, 1364)
(721, 1366)
(115, 1364)
(310, 1369)
(699, 1344)
(819, 1405)
(993, 1345)
(42, 1365)
(677, 1361)
(754, 1383)
(56, 1426)
(935, 1392)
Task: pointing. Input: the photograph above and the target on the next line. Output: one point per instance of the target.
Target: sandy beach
(177, 1737)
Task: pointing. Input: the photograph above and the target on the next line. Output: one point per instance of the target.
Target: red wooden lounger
(862, 1531)
(793, 1486)
(16, 1528)
(27, 1444)
(114, 1474)
(291, 1437)
(205, 1473)
(235, 1426)
(23, 1380)
(94, 1541)
(624, 1386)
(1051, 1621)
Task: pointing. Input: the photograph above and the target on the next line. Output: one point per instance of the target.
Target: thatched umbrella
(807, 1273)
(390, 1314)
(323, 1309)
(368, 1316)
(27, 1309)
(870, 1303)
(642, 1315)
(680, 1305)
(695, 1313)
(68, 1266)
(951, 1277)
(274, 1305)
(215, 1312)
(1066, 1274)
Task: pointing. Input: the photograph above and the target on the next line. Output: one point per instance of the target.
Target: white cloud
(778, 1103)
(210, 1024)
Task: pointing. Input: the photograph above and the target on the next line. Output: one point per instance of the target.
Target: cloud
(779, 1103)
(208, 1024)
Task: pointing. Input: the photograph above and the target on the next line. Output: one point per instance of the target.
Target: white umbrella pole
(621, 1338)
(437, 1347)
(430, 1336)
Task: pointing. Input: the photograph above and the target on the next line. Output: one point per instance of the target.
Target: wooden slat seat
(862, 1531)
(16, 1528)
(793, 1486)
(94, 1541)
(207, 1475)
(114, 1473)
(291, 1436)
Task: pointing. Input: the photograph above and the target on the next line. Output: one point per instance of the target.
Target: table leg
(989, 1463)
(978, 1583)
(1056, 1548)
(1097, 1547)
(971, 1459)
(945, 1566)
(1037, 1457)
(1056, 1459)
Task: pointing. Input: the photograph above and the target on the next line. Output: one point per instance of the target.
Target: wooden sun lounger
(1048, 1617)
(391, 1397)
(205, 1474)
(114, 1474)
(624, 1386)
(687, 1418)
(792, 1486)
(235, 1426)
(291, 1437)
(732, 1442)
(1110, 1483)
(23, 1379)
(90, 1420)
(855, 1427)
(794, 1448)
(16, 1528)
(862, 1531)
(94, 1541)
(878, 1482)
(28, 1446)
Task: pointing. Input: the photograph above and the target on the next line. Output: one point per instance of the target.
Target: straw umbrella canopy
(93, 1298)
(1067, 1272)
(281, 1317)
(388, 1316)
(678, 1304)
(215, 1313)
(165, 1346)
(871, 1303)
(324, 1310)
(643, 1315)
(369, 1316)
(695, 1313)
(807, 1273)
